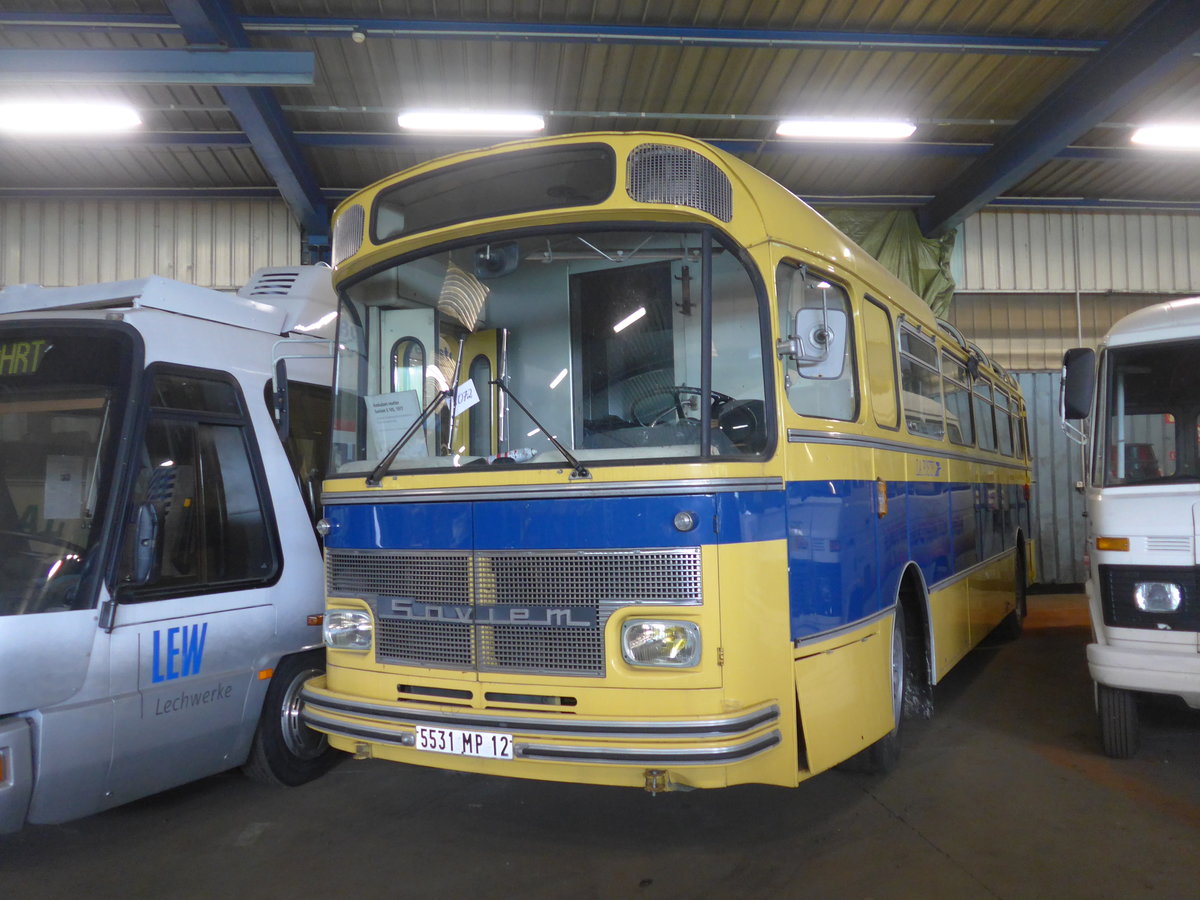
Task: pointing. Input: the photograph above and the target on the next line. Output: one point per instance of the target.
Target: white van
(1143, 509)
(160, 577)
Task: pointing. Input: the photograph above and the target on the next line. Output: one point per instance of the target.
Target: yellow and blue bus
(643, 474)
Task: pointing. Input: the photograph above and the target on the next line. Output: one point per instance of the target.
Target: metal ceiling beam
(1165, 35)
(682, 36)
(258, 114)
(445, 143)
(242, 67)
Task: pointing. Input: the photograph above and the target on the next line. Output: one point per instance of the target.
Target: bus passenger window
(815, 313)
(881, 364)
(983, 416)
(1003, 424)
(921, 386)
(958, 402)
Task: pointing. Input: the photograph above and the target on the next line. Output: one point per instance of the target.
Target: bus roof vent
(660, 173)
(304, 293)
(271, 283)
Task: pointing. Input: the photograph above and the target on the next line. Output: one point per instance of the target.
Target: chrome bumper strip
(383, 720)
(640, 756)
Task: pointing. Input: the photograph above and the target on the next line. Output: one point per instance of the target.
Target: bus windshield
(594, 335)
(1151, 430)
(61, 393)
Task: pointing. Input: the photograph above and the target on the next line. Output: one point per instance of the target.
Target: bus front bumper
(612, 751)
(1163, 669)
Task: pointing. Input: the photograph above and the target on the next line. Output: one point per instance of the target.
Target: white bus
(160, 577)
(1143, 510)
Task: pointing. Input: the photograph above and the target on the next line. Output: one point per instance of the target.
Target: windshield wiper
(374, 479)
(578, 470)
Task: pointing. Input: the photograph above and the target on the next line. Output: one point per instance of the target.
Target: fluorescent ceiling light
(51, 117)
(630, 319)
(845, 129)
(558, 379)
(471, 121)
(1187, 136)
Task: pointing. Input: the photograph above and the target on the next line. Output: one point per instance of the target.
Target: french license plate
(464, 743)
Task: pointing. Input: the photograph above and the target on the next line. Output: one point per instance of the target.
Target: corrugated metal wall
(212, 243)
(1031, 331)
(1057, 508)
(1041, 251)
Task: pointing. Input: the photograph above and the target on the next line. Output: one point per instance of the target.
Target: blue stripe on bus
(844, 560)
(598, 523)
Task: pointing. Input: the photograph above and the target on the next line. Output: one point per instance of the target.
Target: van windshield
(61, 394)
(582, 344)
(1151, 431)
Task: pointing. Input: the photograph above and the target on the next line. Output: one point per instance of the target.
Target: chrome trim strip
(679, 756)
(389, 717)
(967, 573)
(541, 491)
(696, 756)
(822, 636)
(800, 436)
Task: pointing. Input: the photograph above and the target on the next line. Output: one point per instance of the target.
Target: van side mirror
(145, 546)
(279, 399)
(1077, 383)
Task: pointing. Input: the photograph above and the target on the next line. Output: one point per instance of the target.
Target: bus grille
(659, 173)
(507, 611)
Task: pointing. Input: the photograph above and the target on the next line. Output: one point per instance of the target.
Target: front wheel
(285, 750)
(1117, 710)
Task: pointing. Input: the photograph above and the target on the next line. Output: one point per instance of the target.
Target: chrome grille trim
(661, 173)
(452, 609)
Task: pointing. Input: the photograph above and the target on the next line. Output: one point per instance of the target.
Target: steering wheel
(51, 539)
(648, 414)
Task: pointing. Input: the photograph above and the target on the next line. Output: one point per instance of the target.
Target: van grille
(507, 611)
(659, 173)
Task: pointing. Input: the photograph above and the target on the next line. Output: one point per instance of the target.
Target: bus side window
(202, 484)
(958, 401)
(921, 386)
(881, 364)
(809, 295)
(307, 444)
(1004, 433)
(983, 415)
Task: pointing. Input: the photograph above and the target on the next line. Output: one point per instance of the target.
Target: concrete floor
(1004, 793)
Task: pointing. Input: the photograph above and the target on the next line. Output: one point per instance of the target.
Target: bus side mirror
(817, 344)
(145, 547)
(1078, 374)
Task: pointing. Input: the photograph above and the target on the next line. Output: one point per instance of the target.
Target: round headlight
(646, 642)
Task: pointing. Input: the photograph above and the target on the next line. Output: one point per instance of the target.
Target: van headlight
(648, 642)
(348, 629)
(1157, 596)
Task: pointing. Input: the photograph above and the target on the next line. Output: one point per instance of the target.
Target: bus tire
(1117, 711)
(1011, 626)
(883, 755)
(285, 750)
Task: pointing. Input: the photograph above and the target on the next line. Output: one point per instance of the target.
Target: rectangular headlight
(646, 642)
(1157, 596)
(348, 629)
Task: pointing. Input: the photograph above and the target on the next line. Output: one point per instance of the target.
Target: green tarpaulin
(893, 237)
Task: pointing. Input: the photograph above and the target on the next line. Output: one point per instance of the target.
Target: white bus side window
(921, 386)
(958, 401)
(881, 364)
(826, 391)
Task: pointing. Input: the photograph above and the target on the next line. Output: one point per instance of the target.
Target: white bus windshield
(61, 392)
(594, 334)
(1152, 402)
